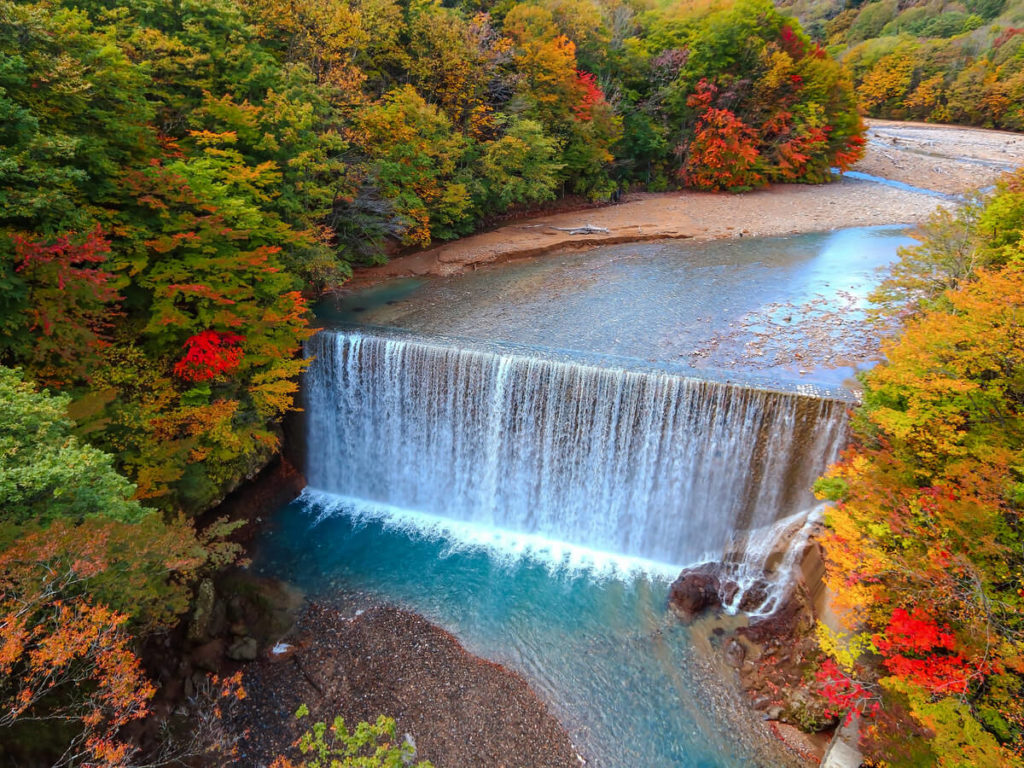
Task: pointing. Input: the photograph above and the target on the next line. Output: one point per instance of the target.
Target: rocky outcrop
(695, 591)
(774, 655)
(708, 587)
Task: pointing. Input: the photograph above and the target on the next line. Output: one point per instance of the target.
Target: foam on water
(505, 548)
(766, 557)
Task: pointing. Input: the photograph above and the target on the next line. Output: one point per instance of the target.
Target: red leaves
(851, 152)
(723, 153)
(68, 302)
(844, 694)
(590, 94)
(913, 633)
(915, 647)
(208, 355)
(69, 257)
(791, 43)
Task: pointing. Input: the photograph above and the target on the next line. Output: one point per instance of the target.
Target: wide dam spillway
(609, 454)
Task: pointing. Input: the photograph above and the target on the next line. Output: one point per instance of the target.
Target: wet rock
(735, 653)
(199, 627)
(728, 592)
(218, 623)
(259, 607)
(244, 649)
(694, 592)
(754, 597)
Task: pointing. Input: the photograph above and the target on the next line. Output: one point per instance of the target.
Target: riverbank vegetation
(943, 62)
(925, 541)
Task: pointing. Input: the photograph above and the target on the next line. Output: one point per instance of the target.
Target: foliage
(723, 153)
(744, 97)
(919, 60)
(369, 745)
(46, 472)
(924, 536)
(69, 303)
(72, 597)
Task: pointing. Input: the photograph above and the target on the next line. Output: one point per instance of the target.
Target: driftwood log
(589, 229)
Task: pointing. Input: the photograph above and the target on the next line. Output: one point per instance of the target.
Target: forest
(178, 180)
(942, 62)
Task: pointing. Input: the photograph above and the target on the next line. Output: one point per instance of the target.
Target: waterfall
(615, 457)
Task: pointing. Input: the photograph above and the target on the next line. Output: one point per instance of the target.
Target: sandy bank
(941, 158)
(777, 210)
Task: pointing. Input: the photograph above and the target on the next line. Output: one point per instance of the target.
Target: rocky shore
(359, 659)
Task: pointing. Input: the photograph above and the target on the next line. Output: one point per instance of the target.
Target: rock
(844, 752)
(773, 713)
(694, 592)
(244, 649)
(198, 628)
(218, 618)
(735, 653)
(728, 592)
(754, 597)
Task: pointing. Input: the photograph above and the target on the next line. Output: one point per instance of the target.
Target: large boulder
(694, 592)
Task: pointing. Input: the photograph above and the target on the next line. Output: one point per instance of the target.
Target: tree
(370, 745)
(68, 300)
(722, 154)
(46, 472)
(924, 540)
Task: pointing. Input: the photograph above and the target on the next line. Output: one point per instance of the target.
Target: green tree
(369, 745)
(45, 472)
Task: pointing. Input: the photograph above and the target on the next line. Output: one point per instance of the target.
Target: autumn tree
(924, 540)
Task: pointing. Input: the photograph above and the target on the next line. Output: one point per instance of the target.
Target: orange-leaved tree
(925, 540)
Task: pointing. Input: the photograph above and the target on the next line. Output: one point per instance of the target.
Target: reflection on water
(651, 301)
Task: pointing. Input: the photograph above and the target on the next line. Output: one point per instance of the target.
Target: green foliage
(957, 63)
(871, 19)
(369, 745)
(520, 166)
(46, 472)
(743, 98)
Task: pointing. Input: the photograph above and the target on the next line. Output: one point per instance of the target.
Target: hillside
(936, 60)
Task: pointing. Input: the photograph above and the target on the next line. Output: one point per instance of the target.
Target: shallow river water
(664, 301)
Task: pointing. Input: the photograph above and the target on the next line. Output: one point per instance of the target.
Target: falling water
(644, 463)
